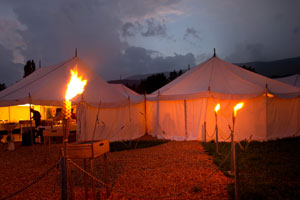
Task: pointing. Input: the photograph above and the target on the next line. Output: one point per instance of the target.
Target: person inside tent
(37, 119)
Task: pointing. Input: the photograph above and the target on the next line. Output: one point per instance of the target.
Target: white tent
(179, 110)
(125, 90)
(47, 86)
(292, 80)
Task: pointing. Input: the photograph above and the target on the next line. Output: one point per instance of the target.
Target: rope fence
(150, 197)
(39, 178)
(56, 165)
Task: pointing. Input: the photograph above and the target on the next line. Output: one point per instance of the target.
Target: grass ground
(268, 170)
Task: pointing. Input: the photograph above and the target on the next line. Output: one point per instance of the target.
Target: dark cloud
(128, 29)
(148, 28)
(191, 32)
(142, 61)
(203, 57)
(154, 28)
(247, 52)
(297, 30)
(55, 28)
(10, 72)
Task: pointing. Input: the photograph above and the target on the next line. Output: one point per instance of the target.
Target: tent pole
(9, 114)
(30, 129)
(129, 108)
(267, 111)
(185, 119)
(145, 107)
(97, 119)
(157, 113)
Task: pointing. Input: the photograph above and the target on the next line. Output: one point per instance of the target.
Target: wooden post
(231, 161)
(86, 192)
(204, 131)
(106, 175)
(64, 168)
(93, 181)
(217, 139)
(70, 181)
(64, 190)
(217, 136)
(235, 171)
(234, 162)
(237, 191)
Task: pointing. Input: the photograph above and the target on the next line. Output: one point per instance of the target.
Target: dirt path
(164, 170)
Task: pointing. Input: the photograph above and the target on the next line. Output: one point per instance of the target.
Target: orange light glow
(217, 108)
(75, 86)
(269, 95)
(237, 107)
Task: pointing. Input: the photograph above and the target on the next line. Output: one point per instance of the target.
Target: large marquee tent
(47, 86)
(184, 108)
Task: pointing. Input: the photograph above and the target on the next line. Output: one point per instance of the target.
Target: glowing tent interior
(184, 108)
(46, 88)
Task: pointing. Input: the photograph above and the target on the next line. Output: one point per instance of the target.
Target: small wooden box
(53, 132)
(91, 149)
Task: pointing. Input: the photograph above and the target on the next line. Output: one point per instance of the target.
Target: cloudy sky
(119, 37)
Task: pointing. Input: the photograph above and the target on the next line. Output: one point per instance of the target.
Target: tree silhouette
(29, 68)
(2, 86)
(152, 83)
(250, 68)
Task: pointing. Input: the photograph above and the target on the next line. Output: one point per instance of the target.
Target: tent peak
(214, 52)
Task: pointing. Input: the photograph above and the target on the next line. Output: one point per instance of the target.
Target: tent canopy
(47, 86)
(132, 95)
(219, 79)
(292, 80)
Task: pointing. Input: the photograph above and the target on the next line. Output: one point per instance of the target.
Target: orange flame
(75, 86)
(237, 107)
(217, 108)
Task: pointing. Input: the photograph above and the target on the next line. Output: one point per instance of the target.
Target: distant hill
(136, 79)
(277, 68)
(126, 81)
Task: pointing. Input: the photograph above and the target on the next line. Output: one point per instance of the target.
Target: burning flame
(237, 107)
(75, 86)
(217, 108)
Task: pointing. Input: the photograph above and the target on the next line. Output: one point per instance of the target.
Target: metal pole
(185, 120)
(217, 137)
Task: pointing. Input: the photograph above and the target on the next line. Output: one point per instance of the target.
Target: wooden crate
(91, 149)
(53, 132)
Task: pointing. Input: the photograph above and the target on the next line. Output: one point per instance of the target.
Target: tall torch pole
(75, 87)
(234, 155)
(217, 108)
(66, 129)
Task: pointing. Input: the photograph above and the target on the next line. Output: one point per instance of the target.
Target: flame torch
(217, 108)
(234, 166)
(75, 86)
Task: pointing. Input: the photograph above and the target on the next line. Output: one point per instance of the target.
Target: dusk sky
(119, 37)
